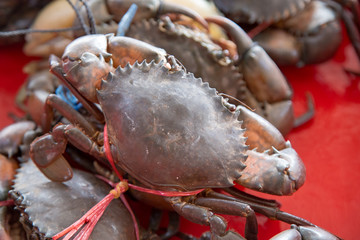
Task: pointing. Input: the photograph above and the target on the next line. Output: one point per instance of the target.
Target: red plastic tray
(329, 144)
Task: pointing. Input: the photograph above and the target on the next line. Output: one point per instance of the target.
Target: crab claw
(269, 170)
(126, 50)
(46, 152)
(11, 137)
(95, 44)
(281, 173)
(86, 73)
(151, 9)
(263, 77)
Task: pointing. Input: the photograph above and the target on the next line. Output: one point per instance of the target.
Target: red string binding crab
(169, 131)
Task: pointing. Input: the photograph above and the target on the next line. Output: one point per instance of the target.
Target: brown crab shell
(49, 207)
(258, 11)
(169, 130)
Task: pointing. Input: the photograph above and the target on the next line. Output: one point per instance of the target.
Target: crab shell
(170, 130)
(49, 207)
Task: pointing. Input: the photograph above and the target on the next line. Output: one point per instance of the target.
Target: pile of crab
(160, 110)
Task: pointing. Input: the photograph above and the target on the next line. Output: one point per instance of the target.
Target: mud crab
(38, 199)
(105, 14)
(254, 79)
(139, 103)
(296, 32)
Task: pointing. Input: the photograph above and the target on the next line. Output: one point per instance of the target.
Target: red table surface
(329, 144)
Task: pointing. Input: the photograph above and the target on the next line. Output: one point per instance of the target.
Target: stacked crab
(297, 32)
(174, 126)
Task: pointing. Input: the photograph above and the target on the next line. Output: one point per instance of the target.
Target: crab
(254, 80)
(105, 14)
(38, 199)
(296, 32)
(159, 115)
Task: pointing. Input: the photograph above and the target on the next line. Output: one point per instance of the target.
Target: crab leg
(204, 216)
(224, 206)
(53, 164)
(54, 101)
(269, 211)
(246, 197)
(301, 228)
(173, 225)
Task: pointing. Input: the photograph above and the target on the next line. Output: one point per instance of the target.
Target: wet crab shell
(170, 130)
(49, 207)
(253, 11)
